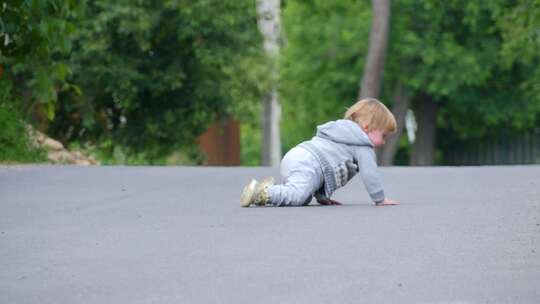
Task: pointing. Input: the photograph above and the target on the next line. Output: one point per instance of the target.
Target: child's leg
(302, 176)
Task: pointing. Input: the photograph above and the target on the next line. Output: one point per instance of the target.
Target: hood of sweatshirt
(345, 132)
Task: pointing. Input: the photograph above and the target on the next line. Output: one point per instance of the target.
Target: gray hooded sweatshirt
(343, 149)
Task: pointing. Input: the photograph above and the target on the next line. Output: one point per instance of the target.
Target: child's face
(377, 137)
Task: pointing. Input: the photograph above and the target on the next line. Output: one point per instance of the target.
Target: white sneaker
(256, 193)
(248, 194)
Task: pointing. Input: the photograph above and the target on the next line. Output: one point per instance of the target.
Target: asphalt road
(177, 235)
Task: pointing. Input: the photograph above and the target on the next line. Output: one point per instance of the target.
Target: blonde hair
(373, 115)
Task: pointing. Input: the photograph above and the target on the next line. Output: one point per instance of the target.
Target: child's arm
(371, 177)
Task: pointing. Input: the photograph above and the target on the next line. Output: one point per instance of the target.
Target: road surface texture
(177, 235)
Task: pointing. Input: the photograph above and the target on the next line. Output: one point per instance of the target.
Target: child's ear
(365, 127)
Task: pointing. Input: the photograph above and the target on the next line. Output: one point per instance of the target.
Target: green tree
(33, 36)
(520, 26)
(447, 54)
(155, 75)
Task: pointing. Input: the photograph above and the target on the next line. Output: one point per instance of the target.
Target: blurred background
(240, 82)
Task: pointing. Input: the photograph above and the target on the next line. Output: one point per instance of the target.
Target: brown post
(221, 143)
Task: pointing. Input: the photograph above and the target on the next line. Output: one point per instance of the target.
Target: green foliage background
(136, 82)
(154, 75)
(33, 34)
(321, 63)
(14, 131)
(479, 61)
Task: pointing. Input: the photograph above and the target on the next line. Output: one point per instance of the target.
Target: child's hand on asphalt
(329, 203)
(387, 202)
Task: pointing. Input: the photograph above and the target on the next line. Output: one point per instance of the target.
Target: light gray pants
(301, 176)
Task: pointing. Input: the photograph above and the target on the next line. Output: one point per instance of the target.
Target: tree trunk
(378, 39)
(269, 24)
(423, 149)
(271, 148)
(401, 105)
